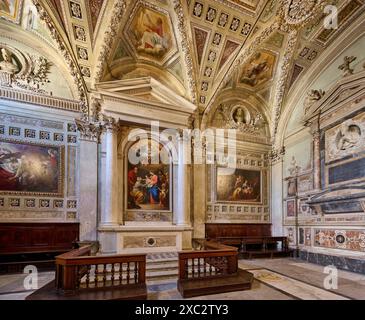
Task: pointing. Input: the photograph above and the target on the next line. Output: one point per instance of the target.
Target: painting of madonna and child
(27, 168)
(148, 181)
(238, 185)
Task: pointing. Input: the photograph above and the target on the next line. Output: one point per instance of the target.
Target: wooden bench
(211, 269)
(80, 276)
(23, 244)
(259, 246)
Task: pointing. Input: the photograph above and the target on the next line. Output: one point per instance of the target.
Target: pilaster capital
(89, 130)
(276, 154)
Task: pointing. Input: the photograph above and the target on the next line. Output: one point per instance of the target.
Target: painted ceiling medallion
(298, 11)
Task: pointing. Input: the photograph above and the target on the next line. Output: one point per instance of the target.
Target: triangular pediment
(350, 88)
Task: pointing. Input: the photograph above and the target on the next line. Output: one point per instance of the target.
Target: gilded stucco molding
(73, 66)
(186, 49)
(284, 70)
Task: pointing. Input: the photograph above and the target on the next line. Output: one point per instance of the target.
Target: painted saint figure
(5, 6)
(151, 34)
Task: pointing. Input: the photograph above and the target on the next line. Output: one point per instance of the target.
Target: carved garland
(109, 36)
(284, 70)
(74, 70)
(186, 50)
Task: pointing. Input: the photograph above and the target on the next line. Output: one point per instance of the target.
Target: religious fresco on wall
(258, 70)
(29, 168)
(11, 10)
(151, 33)
(148, 183)
(238, 185)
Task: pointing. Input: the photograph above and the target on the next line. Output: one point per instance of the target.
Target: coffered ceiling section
(220, 31)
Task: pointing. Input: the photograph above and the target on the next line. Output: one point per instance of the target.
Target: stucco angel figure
(312, 97)
(7, 64)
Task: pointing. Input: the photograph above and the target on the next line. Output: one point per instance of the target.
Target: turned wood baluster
(120, 273)
(96, 275)
(135, 272)
(205, 267)
(185, 272)
(128, 273)
(112, 276)
(88, 277)
(210, 267)
(78, 279)
(198, 267)
(193, 267)
(104, 275)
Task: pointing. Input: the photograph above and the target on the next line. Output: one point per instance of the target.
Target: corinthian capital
(110, 124)
(89, 130)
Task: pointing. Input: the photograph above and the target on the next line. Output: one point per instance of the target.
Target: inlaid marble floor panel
(351, 285)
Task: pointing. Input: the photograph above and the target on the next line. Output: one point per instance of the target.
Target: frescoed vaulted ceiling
(199, 48)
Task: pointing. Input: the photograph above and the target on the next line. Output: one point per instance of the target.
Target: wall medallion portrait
(238, 185)
(30, 169)
(149, 181)
(11, 10)
(345, 139)
(150, 33)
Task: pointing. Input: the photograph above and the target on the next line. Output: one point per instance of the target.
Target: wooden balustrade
(211, 268)
(211, 260)
(78, 271)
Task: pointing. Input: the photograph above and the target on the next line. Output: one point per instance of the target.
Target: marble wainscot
(353, 263)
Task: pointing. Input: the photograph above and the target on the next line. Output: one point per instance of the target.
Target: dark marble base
(343, 263)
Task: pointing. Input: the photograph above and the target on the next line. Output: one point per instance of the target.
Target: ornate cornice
(186, 49)
(72, 65)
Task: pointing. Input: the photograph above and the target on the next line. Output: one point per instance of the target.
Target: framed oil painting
(238, 185)
(31, 169)
(290, 208)
(11, 10)
(149, 183)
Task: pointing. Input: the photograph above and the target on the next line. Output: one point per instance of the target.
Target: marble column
(109, 215)
(183, 198)
(88, 179)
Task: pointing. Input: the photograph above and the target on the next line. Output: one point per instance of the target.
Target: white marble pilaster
(277, 210)
(183, 199)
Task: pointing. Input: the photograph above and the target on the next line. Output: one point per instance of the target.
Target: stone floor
(277, 279)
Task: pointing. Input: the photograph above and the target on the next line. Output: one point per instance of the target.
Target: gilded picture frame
(11, 10)
(56, 159)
